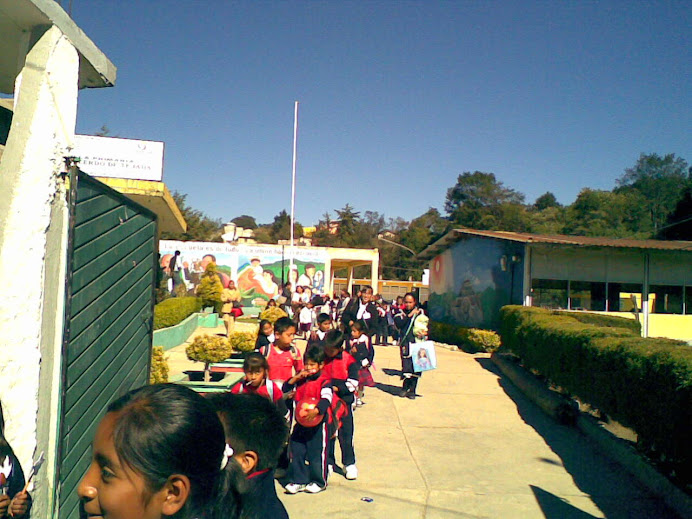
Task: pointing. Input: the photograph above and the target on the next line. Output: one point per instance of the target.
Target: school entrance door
(109, 319)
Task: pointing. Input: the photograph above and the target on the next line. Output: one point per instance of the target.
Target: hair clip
(227, 453)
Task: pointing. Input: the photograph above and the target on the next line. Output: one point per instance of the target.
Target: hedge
(645, 384)
(471, 340)
(175, 310)
(609, 321)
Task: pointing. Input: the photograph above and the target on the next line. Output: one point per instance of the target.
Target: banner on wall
(256, 269)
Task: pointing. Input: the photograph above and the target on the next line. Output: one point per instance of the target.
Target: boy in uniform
(342, 369)
(283, 357)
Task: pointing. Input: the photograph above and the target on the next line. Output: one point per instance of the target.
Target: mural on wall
(256, 269)
(472, 280)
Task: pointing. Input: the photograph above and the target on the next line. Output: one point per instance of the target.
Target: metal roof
(456, 235)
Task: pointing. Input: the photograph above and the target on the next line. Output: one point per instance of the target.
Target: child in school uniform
(324, 324)
(282, 356)
(256, 433)
(256, 369)
(265, 334)
(14, 500)
(305, 319)
(308, 445)
(342, 369)
(362, 351)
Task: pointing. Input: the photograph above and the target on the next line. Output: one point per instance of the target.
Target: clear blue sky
(396, 98)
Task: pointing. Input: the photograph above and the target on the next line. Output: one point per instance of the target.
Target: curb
(565, 412)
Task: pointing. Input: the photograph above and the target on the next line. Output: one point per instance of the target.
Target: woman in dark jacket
(13, 500)
(404, 321)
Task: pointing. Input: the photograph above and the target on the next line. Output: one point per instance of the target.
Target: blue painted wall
(468, 285)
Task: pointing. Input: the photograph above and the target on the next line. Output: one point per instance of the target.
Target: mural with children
(472, 280)
(256, 269)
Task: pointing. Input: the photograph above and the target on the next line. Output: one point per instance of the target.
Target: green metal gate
(109, 318)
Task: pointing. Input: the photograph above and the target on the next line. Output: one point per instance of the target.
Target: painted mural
(472, 280)
(258, 270)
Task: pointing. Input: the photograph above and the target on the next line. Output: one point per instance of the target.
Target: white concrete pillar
(349, 280)
(33, 240)
(374, 273)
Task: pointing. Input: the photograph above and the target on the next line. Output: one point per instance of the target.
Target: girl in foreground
(160, 452)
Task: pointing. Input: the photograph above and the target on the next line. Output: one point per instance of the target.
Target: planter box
(198, 376)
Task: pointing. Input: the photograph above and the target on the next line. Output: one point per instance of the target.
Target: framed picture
(423, 356)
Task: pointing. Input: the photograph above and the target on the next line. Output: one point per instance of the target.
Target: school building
(473, 273)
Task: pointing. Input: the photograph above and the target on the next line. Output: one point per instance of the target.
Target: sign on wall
(120, 158)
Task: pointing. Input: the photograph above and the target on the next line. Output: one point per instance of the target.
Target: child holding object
(308, 444)
(158, 452)
(14, 500)
(256, 432)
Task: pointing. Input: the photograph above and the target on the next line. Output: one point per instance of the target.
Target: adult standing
(404, 321)
(361, 309)
(230, 297)
(174, 266)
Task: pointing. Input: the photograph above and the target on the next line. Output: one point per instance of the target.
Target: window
(549, 293)
(587, 295)
(666, 299)
(622, 297)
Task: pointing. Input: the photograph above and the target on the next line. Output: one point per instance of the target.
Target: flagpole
(293, 181)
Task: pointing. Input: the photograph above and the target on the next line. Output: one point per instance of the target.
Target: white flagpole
(293, 182)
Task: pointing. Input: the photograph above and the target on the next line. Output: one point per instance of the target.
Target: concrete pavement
(472, 446)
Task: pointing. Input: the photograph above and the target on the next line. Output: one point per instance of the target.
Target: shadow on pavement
(392, 372)
(593, 473)
(388, 388)
(554, 507)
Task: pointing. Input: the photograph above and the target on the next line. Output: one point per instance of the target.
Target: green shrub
(272, 314)
(243, 341)
(159, 366)
(208, 349)
(174, 310)
(471, 340)
(210, 288)
(645, 384)
(608, 321)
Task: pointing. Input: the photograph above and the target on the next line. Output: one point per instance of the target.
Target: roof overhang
(23, 22)
(155, 197)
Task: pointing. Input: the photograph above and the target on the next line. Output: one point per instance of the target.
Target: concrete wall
(33, 250)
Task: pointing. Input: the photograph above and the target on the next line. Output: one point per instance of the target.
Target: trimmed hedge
(609, 321)
(175, 310)
(471, 340)
(645, 384)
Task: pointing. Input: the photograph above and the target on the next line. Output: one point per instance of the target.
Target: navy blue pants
(348, 454)
(308, 444)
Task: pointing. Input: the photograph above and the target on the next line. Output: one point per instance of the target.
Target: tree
(476, 201)
(660, 180)
(281, 227)
(608, 213)
(679, 224)
(245, 221)
(210, 288)
(545, 201)
(199, 226)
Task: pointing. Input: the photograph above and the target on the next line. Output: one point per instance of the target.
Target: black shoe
(403, 393)
(411, 395)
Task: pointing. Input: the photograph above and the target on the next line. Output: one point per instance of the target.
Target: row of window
(610, 297)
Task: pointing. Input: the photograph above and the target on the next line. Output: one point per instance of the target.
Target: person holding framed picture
(405, 320)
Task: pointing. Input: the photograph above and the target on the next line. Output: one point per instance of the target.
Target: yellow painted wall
(670, 326)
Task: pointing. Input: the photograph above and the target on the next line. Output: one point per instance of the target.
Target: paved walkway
(472, 446)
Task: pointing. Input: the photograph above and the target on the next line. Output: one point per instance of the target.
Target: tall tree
(661, 180)
(608, 213)
(199, 226)
(477, 200)
(245, 221)
(679, 224)
(545, 201)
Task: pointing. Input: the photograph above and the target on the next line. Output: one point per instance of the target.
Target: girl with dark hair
(160, 451)
(265, 334)
(404, 320)
(14, 501)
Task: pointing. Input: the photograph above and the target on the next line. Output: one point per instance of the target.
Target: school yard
(472, 446)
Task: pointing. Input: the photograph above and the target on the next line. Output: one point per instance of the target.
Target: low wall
(176, 335)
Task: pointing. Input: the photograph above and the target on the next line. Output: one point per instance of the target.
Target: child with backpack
(256, 369)
(282, 356)
(362, 351)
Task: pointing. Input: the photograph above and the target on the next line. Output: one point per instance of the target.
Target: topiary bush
(272, 314)
(209, 349)
(607, 321)
(174, 310)
(645, 384)
(210, 288)
(159, 366)
(243, 341)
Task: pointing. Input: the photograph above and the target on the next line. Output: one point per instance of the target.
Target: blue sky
(396, 98)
